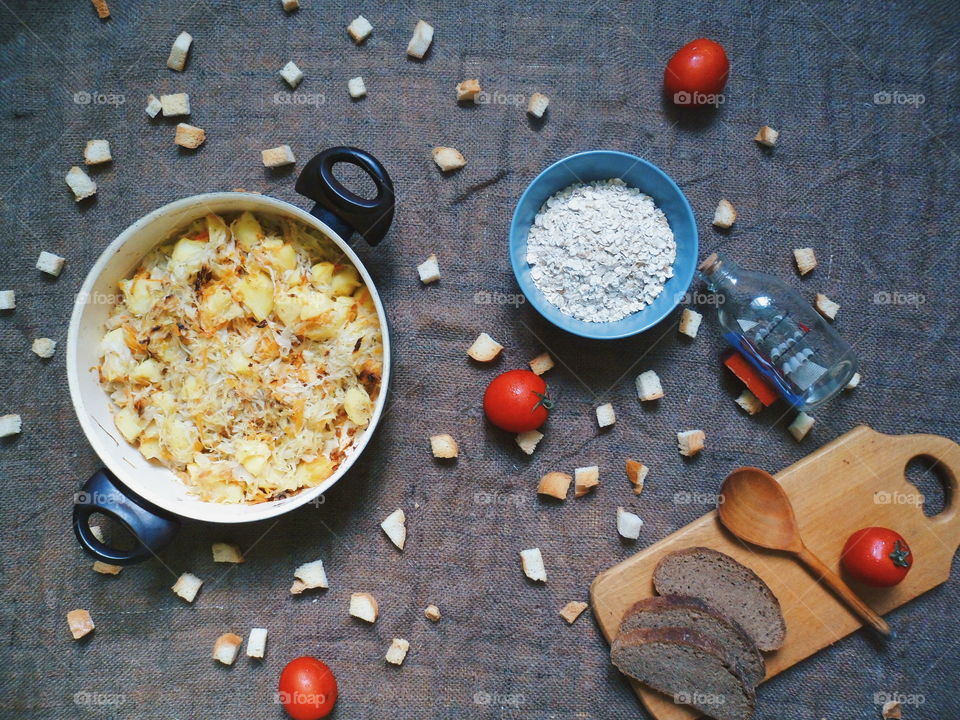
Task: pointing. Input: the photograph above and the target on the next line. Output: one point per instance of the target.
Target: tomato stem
(544, 400)
(900, 555)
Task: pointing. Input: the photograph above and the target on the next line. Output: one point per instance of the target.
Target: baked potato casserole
(244, 354)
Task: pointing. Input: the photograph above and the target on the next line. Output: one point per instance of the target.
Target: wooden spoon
(755, 508)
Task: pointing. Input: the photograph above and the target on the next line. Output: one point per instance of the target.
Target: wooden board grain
(856, 481)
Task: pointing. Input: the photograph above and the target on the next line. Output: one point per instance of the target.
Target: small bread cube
(420, 42)
(103, 12)
(827, 307)
(766, 135)
(690, 442)
(432, 613)
(467, 89)
(572, 610)
(106, 568)
(80, 183)
(801, 426)
(541, 363)
(44, 347)
(189, 136)
(690, 322)
(356, 88)
(484, 348)
(749, 402)
(429, 270)
(178, 53)
(448, 158)
(532, 563)
(585, 479)
(257, 643)
(725, 214)
(555, 485)
(175, 104)
(226, 553)
(529, 440)
(537, 105)
(9, 425)
(226, 648)
(96, 152)
(854, 382)
(187, 586)
(364, 607)
(154, 106)
(606, 416)
(309, 576)
(395, 527)
(628, 524)
(49, 263)
(444, 446)
(806, 259)
(8, 299)
(648, 386)
(290, 5)
(891, 710)
(636, 473)
(277, 157)
(397, 651)
(359, 29)
(80, 623)
(292, 74)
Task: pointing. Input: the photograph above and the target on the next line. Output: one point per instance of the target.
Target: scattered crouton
(103, 11)
(448, 158)
(154, 106)
(467, 90)
(189, 136)
(805, 258)
(106, 568)
(749, 402)
(891, 710)
(529, 440)
(292, 74)
(364, 607)
(854, 382)
(80, 183)
(690, 322)
(420, 42)
(541, 363)
(572, 610)
(432, 613)
(49, 263)
(44, 347)
(359, 29)
(606, 415)
(725, 214)
(277, 157)
(9, 425)
(257, 643)
(309, 576)
(356, 87)
(555, 485)
(187, 586)
(175, 104)
(585, 479)
(226, 553)
(96, 152)
(395, 527)
(484, 348)
(827, 307)
(178, 53)
(648, 386)
(628, 524)
(226, 648)
(397, 651)
(766, 135)
(532, 563)
(537, 104)
(690, 442)
(801, 426)
(8, 299)
(429, 270)
(290, 5)
(80, 623)
(636, 473)
(444, 446)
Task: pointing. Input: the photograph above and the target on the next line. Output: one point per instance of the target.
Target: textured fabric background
(872, 185)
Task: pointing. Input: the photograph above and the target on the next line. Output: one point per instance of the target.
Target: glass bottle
(779, 333)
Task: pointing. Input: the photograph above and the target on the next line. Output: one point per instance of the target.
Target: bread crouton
(636, 473)
(80, 623)
(448, 158)
(96, 152)
(175, 104)
(555, 485)
(725, 215)
(484, 348)
(395, 527)
(359, 29)
(606, 415)
(690, 442)
(291, 74)
(572, 610)
(257, 643)
(187, 586)
(226, 553)
(628, 524)
(537, 104)
(356, 87)
(178, 53)
(467, 90)
(9, 425)
(103, 11)
(766, 135)
(106, 568)
(854, 382)
(444, 446)
(648, 386)
(154, 106)
(429, 270)
(226, 648)
(541, 363)
(189, 136)
(290, 5)
(529, 440)
(44, 347)
(532, 563)
(827, 307)
(749, 402)
(8, 299)
(432, 613)
(278, 156)
(800, 426)
(585, 479)
(805, 258)
(364, 606)
(309, 576)
(80, 183)
(49, 263)
(397, 651)
(420, 42)
(690, 322)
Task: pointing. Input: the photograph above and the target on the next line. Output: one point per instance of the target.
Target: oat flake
(600, 251)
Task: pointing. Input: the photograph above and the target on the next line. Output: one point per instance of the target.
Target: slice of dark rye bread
(688, 666)
(689, 612)
(727, 587)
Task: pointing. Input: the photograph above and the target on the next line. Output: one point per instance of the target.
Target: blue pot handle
(150, 526)
(344, 211)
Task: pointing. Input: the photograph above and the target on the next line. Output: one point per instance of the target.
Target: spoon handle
(830, 578)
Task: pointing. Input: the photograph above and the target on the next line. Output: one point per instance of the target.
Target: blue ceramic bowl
(636, 172)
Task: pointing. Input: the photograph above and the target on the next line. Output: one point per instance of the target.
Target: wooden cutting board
(856, 481)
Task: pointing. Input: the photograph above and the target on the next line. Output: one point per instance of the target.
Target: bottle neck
(719, 274)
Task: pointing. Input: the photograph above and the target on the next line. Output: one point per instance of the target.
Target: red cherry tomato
(516, 401)
(697, 73)
(877, 556)
(308, 689)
